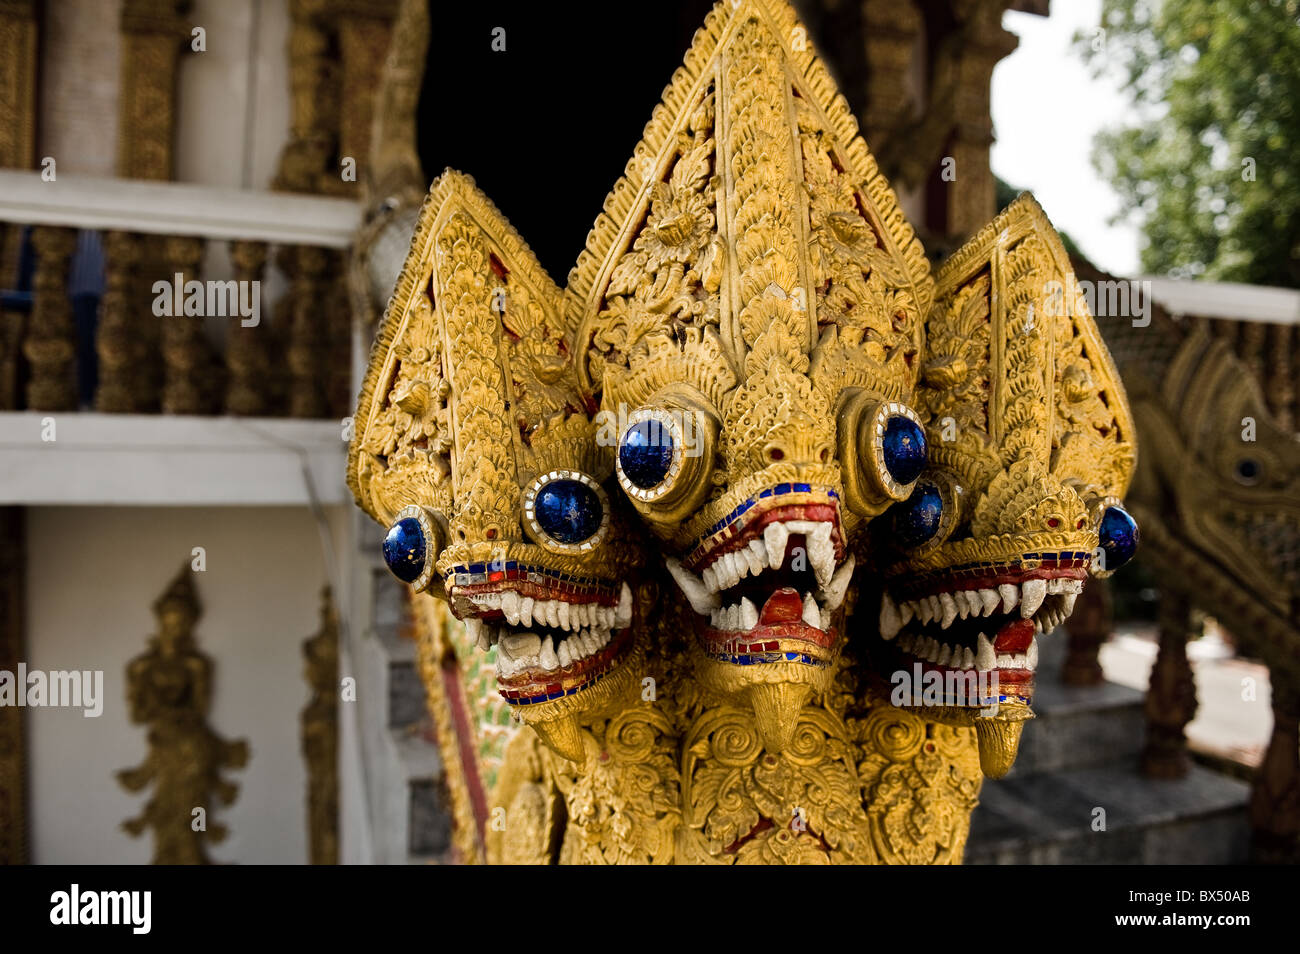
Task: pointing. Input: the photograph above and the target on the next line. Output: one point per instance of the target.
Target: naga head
(1229, 481)
(1030, 447)
(750, 309)
(476, 449)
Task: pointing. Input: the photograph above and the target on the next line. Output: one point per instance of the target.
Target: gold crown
(1024, 407)
(752, 267)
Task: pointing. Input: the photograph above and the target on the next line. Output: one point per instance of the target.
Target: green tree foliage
(1210, 162)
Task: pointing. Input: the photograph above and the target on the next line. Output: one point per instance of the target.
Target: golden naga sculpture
(169, 688)
(672, 502)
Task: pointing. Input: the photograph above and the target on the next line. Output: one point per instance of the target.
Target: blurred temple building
(203, 207)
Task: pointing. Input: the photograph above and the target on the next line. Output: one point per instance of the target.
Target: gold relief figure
(169, 691)
(752, 371)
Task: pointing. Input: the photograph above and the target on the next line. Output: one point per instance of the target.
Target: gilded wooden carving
(684, 512)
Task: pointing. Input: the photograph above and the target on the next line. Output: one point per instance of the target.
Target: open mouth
(770, 588)
(548, 648)
(983, 624)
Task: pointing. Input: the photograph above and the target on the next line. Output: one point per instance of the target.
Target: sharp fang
(748, 615)
(1031, 656)
(890, 620)
(967, 658)
(825, 617)
(832, 595)
(945, 655)
(1068, 603)
(1010, 596)
(949, 610)
(623, 615)
(510, 607)
(775, 536)
(974, 602)
(755, 558)
(547, 658)
(1033, 592)
(477, 631)
(811, 615)
(821, 552)
(989, 600)
(985, 658)
(701, 599)
(906, 610)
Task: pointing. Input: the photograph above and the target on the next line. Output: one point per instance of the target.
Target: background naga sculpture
(695, 509)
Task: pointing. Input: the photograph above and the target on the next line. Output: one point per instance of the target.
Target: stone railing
(126, 296)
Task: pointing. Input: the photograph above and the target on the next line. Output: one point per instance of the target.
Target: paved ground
(1234, 717)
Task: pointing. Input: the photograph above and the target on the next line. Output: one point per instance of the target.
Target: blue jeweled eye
(645, 455)
(406, 549)
(916, 520)
(1118, 536)
(566, 511)
(903, 449)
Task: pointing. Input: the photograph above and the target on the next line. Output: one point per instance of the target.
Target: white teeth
(520, 645)
(832, 594)
(775, 536)
(547, 658)
(566, 612)
(1068, 604)
(974, 602)
(945, 654)
(985, 658)
(526, 611)
(1055, 586)
(811, 614)
(710, 579)
(949, 610)
(890, 619)
(623, 615)
(821, 552)
(905, 610)
(989, 600)
(756, 560)
(590, 641)
(1010, 596)
(825, 618)
(924, 612)
(701, 599)
(552, 613)
(748, 615)
(510, 606)
(1032, 594)
(478, 632)
(563, 654)
(1031, 657)
(967, 659)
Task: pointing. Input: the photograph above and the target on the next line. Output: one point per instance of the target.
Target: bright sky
(1046, 109)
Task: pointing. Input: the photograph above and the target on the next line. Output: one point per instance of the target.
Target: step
(1048, 818)
(1077, 727)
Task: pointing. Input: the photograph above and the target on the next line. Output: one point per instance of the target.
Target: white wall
(92, 576)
